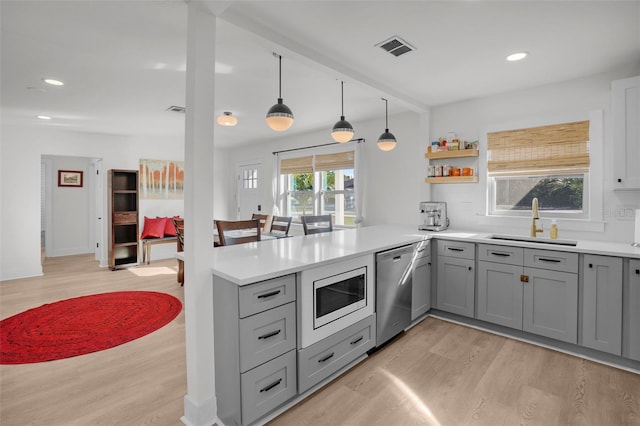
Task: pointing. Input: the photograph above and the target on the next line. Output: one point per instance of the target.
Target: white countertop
(248, 263)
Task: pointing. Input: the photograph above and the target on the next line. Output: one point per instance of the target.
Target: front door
(249, 181)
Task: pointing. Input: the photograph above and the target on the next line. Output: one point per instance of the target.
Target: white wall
(394, 181)
(466, 202)
(20, 155)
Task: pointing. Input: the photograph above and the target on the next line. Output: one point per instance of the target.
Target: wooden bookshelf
(452, 179)
(461, 153)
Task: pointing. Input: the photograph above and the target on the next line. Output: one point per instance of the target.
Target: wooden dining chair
(264, 220)
(316, 224)
(238, 231)
(179, 225)
(280, 226)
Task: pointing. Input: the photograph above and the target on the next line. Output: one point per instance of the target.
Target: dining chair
(238, 231)
(280, 226)
(264, 220)
(316, 224)
(179, 225)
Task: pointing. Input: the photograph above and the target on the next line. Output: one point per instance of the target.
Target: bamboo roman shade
(318, 163)
(546, 150)
(296, 165)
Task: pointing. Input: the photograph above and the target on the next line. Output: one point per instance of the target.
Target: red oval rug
(82, 325)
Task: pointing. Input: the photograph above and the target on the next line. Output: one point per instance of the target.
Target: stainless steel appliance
(394, 270)
(433, 216)
(333, 297)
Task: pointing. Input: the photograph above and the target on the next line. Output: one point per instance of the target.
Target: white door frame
(239, 166)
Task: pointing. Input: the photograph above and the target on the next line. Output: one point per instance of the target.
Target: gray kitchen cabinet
(625, 108)
(421, 285)
(456, 277)
(602, 303)
(255, 347)
(633, 323)
(529, 289)
(499, 285)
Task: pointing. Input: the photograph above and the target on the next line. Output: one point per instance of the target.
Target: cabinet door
(602, 303)
(550, 304)
(626, 133)
(456, 285)
(634, 309)
(500, 294)
(421, 288)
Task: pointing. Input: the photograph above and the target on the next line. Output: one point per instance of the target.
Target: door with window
(248, 194)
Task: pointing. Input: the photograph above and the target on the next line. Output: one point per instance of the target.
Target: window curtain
(358, 184)
(275, 186)
(546, 150)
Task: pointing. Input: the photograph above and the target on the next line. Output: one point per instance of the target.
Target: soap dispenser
(553, 233)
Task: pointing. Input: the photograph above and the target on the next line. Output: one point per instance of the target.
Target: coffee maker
(433, 215)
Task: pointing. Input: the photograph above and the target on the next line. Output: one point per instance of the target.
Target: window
(550, 163)
(320, 184)
(250, 179)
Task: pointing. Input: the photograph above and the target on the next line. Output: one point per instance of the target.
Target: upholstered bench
(148, 242)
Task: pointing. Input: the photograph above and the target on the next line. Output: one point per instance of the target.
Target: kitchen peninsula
(262, 363)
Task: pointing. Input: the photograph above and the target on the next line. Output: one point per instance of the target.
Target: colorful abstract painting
(161, 179)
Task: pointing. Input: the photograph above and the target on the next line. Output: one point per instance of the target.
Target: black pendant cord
(386, 115)
(279, 76)
(342, 99)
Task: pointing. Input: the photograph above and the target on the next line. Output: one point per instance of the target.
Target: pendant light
(343, 130)
(386, 141)
(279, 116)
(226, 119)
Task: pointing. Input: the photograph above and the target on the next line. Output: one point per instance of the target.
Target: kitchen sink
(533, 240)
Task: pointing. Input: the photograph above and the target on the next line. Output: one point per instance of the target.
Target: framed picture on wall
(72, 178)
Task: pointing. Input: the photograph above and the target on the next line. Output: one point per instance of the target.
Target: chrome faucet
(534, 216)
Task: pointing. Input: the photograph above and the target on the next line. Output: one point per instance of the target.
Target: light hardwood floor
(438, 373)
(142, 382)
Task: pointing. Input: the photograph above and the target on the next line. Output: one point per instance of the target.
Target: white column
(200, 402)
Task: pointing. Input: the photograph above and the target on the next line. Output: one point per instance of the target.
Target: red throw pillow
(153, 228)
(170, 228)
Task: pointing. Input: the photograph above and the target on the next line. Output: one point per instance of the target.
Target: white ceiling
(123, 62)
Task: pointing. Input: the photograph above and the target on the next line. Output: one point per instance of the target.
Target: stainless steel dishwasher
(393, 291)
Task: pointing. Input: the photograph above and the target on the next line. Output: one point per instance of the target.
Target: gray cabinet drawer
(501, 254)
(268, 386)
(456, 249)
(553, 260)
(268, 294)
(267, 335)
(322, 359)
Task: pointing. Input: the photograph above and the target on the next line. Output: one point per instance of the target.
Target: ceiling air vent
(176, 109)
(396, 46)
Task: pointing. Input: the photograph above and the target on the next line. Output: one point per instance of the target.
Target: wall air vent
(396, 46)
(176, 109)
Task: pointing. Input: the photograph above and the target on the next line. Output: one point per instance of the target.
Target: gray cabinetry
(421, 284)
(626, 133)
(633, 322)
(456, 277)
(255, 342)
(602, 303)
(320, 360)
(529, 289)
(500, 285)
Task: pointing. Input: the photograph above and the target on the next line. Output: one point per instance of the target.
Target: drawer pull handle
(326, 358)
(357, 340)
(637, 271)
(273, 293)
(266, 336)
(271, 386)
(454, 249)
(591, 265)
(544, 259)
(500, 254)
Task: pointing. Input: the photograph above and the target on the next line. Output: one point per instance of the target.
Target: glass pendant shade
(386, 141)
(342, 131)
(279, 117)
(226, 119)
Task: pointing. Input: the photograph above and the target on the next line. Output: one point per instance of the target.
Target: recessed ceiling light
(517, 56)
(43, 117)
(53, 82)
